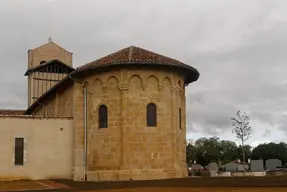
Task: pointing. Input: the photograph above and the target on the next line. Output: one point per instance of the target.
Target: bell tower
(47, 65)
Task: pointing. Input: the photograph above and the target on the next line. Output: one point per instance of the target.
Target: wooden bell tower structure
(47, 65)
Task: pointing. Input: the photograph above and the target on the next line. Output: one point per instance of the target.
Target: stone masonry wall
(37, 87)
(60, 104)
(48, 52)
(128, 149)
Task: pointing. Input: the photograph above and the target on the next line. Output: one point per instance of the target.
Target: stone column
(123, 88)
(173, 123)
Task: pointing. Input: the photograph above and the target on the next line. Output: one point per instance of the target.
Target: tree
(228, 151)
(247, 150)
(242, 130)
(270, 151)
(190, 152)
(207, 150)
(201, 151)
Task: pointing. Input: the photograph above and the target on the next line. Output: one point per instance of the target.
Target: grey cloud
(265, 117)
(283, 127)
(248, 77)
(208, 115)
(267, 133)
(282, 123)
(238, 47)
(16, 97)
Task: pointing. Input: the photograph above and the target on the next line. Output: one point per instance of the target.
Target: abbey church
(120, 117)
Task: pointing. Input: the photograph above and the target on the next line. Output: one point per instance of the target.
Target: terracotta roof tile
(136, 55)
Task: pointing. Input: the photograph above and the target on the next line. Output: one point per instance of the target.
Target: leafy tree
(201, 151)
(190, 152)
(248, 151)
(270, 151)
(242, 130)
(207, 150)
(228, 151)
(214, 149)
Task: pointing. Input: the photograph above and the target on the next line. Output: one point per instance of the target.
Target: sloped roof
(138, 56)
(128, 56)
(50, 42)
(54, 61)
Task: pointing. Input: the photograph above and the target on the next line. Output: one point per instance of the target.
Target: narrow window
(151, 115)
(103, 116)
(19, 151)
(179, 117)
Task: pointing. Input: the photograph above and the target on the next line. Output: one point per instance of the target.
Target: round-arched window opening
(151, 115)
(42, 62)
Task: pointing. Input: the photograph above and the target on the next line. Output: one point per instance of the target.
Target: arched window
(103, 116)
(42, 62)
(151, 115)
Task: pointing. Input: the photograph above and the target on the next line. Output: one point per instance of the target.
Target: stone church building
(120, 117)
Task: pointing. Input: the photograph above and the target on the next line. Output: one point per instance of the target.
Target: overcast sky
(239, 47)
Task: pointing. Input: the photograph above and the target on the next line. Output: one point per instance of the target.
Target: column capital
(123, 87)
(174, 90)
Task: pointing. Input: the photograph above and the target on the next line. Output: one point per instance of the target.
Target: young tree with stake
(242, 130)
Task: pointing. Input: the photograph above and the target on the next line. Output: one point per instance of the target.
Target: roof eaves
(191, 69)
(46, 64)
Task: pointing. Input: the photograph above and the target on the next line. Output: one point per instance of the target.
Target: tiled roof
(128, 56)
(138, 56)
(11, 112)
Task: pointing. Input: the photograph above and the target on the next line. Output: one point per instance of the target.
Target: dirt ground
(213, 182)
(196, 189)
(219, 184)
(31, 185)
